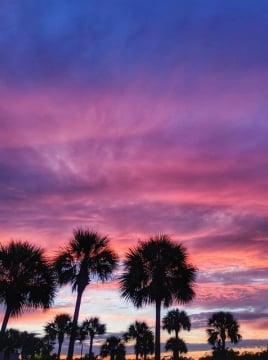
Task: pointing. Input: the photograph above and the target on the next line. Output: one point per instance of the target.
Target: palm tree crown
(175, 320)
(114, 347)
(157, 271)
(93, 327)
(177, 346)
(88, 257)
(224, 327)
(26, 279)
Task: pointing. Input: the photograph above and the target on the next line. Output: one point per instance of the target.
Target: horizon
(134, 119)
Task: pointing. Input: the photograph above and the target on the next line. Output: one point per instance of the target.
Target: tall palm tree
(87, 257)
(58, 328)
(157, 272)
(224, 326)
(93, 327)
(175, 320)
(177, 346)
(143, 336)
(114, 347)
(26, 279)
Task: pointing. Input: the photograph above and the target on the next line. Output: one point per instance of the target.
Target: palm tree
(81, 337)
(48, 345)
(177, 346)
(114, 347)
(157, 272)
(140, 332)
(88, 257)
(224, 327)
(27, 279)
(10, 342)
(25, 344)
(31, 345)
(175, 320)
(93, 327)
(58, 328)
(146, 344)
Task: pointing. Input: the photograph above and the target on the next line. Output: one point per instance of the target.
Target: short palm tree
(88, 257)
(93, 327)
(48, 345)
(143, 336)
(58, 328)
(177, 346)
(223, 327)
(113, 347)
(10, 342)
(31, 345)
(81, 337)
(26, 279)
(157, 272)
(175, 320)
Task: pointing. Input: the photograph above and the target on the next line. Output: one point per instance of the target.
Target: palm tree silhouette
(27, 279)
(114, 347)
(58, 328)
(81, 337)
(224, 327)
(88, 257)
(140, 332)
(93, 327)
(146, 344)
(157, 272)
(10, 342)
(175, 320)
(177, 346)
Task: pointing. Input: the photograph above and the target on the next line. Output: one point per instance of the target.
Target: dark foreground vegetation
(155, 272)
(235, 355)
(27, 346)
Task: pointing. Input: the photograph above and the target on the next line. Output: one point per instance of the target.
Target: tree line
(222, 326)
(155, 271)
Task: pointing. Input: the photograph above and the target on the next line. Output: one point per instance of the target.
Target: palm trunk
(5, 321)
(157, 329)
(176, 355)
(59, 349)
(112, 355)
(176, 352)
(81, 354)
(223, 342)
(90, 347)
(74, 325)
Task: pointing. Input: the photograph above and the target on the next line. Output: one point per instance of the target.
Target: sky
(134, 118)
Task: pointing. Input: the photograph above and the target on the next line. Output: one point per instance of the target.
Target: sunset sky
(134, 118)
